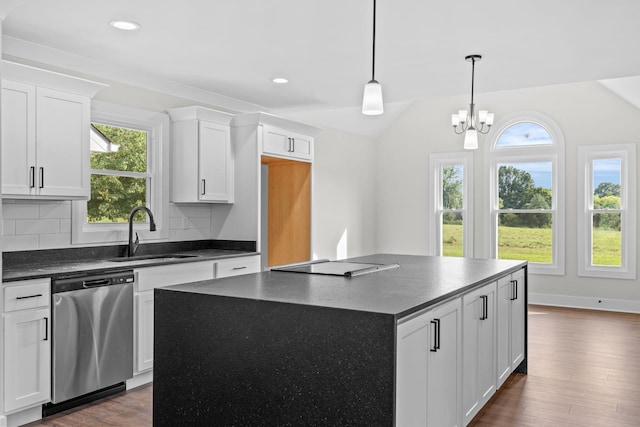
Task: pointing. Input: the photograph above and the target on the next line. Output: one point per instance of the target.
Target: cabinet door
(62, 144)
(479, 341)
(503, 329)
(27, 359)
(444, 366)
(517, 319)
(472, 311)
(275, 141)
(18, 138)
(411, 372)
(144, 331)
(215, 162)
(301, 147)
(487, 380)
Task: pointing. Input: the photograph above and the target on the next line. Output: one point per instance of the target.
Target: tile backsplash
(35, 224)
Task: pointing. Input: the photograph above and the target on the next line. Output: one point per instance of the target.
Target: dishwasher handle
(95, 283)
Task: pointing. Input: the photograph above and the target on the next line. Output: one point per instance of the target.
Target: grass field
(534, 244)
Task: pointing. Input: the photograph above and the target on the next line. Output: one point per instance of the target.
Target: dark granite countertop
(36, 264)
(419, 282)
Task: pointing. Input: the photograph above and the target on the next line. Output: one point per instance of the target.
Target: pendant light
(467, 121)
(372, 100)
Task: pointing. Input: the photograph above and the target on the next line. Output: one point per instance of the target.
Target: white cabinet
(27, 345)
(478, 349)
(428, 376)
(511, 324)
(143, 303)
(147, 279)
(282, 143)
(237, 266)
(45, 134)
(202, 159)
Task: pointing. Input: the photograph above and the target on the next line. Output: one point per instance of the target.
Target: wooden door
(289, 212)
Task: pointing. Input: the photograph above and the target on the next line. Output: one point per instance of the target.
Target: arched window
(526, 157)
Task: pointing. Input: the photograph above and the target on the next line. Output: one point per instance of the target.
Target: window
(126, 163)
(527, 193)
(120, 179)
(451, 214)
(607, 211)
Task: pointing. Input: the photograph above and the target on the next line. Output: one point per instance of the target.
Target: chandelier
(467, 121)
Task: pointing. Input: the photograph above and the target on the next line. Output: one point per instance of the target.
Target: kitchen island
(281, 348)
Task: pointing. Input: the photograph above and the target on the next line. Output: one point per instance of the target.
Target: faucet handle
(137, 241)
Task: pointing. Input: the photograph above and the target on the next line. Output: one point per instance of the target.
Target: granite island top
(24, 265)
(418, 283)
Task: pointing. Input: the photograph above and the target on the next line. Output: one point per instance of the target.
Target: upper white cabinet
(511, 324)
(202, 158)
(282, 143)
(279, 137)
(45, 133)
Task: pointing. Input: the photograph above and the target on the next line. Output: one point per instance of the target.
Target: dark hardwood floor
(584, 370)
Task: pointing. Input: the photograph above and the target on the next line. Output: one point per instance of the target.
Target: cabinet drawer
(237, 266)
(26, 294)
(174, 274)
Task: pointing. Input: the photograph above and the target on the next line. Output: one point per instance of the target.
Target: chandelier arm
(463, 129)
(482, 130)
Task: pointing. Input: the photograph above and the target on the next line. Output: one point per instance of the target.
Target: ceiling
(235, 47)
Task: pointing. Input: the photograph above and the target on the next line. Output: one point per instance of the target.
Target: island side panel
(235, 361)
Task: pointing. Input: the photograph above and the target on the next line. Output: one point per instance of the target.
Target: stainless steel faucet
(133, 245)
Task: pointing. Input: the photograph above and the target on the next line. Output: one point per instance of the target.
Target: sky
(528, 134)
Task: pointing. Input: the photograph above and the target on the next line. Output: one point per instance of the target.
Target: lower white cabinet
(450, 359)
(237, 266)
(149, 278)
(144, 330)
(428, 380)
(478, 349)
(511, 325)
(27, 345)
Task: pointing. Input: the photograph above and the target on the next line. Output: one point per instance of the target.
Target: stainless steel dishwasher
(92, 336)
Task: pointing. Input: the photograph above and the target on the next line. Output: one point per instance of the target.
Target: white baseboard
(592, 303)
(140, 379)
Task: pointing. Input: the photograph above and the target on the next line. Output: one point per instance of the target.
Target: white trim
(592, 303)
(553, 153)
(436, 161)
(158, 126)
(48, 57)
(628, 188)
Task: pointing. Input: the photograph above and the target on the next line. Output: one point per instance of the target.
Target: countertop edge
(104, 266)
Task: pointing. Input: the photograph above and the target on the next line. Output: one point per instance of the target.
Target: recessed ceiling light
(280, 80)
(125, 25)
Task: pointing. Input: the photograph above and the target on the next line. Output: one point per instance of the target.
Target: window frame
(627, 155)
(157, 127)
(436, 161)
(527, 154)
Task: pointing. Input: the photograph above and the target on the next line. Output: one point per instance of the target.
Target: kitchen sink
(163, 257)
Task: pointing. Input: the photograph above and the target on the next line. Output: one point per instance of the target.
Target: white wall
(587, 114)
(343, 205)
